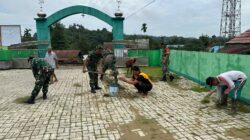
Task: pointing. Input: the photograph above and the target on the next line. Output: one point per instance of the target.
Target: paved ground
(72, 112)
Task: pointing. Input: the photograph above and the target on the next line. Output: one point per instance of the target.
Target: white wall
(10, 34)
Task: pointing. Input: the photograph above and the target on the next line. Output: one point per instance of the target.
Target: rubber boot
(233, 106)
(224, 100)
(164, 78)
(97, 87)
(44, 96)
(93, 89)
(31, 100)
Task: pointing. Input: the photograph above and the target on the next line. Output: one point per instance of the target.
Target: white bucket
(113, 89)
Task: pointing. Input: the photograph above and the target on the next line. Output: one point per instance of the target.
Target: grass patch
(206, 99)
(21, 100)
(242, 133)
(194, 134)
(155, 73)
(198, 88)
(241, 107)
(175, 85)
(150, 128)
(159, 114)
(176, 76)
(106, 95)
(77, 85)
(219, 121)
(145, 121)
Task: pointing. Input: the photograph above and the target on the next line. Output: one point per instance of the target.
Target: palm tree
(144, 27)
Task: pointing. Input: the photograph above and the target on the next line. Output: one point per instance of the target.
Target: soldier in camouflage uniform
(91, 63)
(165, 62)
(108, 62)
(164, 66)
(42, 72)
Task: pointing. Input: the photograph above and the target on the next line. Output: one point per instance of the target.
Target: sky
(187, 18)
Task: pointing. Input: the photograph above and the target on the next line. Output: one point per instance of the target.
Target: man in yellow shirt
(140, 80)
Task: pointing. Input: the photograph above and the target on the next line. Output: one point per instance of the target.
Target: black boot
(45, 96)
(31, 100)
(164, 78)
(92, 90)
(97, 87)
(233, 106)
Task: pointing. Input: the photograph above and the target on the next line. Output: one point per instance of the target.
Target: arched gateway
(43, 24)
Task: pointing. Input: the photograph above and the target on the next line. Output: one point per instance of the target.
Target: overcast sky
(188, 18)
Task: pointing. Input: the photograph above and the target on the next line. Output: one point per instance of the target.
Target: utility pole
(230, 18)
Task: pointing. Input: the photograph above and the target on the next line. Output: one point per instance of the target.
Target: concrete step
(20, 63)
(6, 64)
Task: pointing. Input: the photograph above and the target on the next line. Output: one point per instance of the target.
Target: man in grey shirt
(51, 58)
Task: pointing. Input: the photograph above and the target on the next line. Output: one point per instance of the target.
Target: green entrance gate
(43, 24)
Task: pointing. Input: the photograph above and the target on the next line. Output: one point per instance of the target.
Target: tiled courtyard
(72, 112)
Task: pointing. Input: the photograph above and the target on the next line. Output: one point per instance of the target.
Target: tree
(144, 28)
(205, 39)
(27, 35)
(58, 40)
(193, 44)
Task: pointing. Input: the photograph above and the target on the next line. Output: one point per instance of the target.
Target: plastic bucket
(113, 89)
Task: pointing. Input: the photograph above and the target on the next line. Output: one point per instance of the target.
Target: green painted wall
(6, 55)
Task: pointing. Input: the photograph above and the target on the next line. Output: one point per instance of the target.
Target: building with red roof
(239, 45)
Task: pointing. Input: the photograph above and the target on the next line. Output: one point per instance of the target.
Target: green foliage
(154, 44)
(175, 40)
(194, 44)
(58, 40)
(27, 36)
(79, 38)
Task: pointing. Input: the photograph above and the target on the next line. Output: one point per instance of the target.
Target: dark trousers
(41, 82)
(143, 87)
(129, 68)
(93, 76)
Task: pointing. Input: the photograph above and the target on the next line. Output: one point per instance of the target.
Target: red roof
(243, 38)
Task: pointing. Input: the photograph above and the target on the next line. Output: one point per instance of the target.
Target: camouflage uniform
(164, 67)
(92, 63)
(108, 62)
(42, 72)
